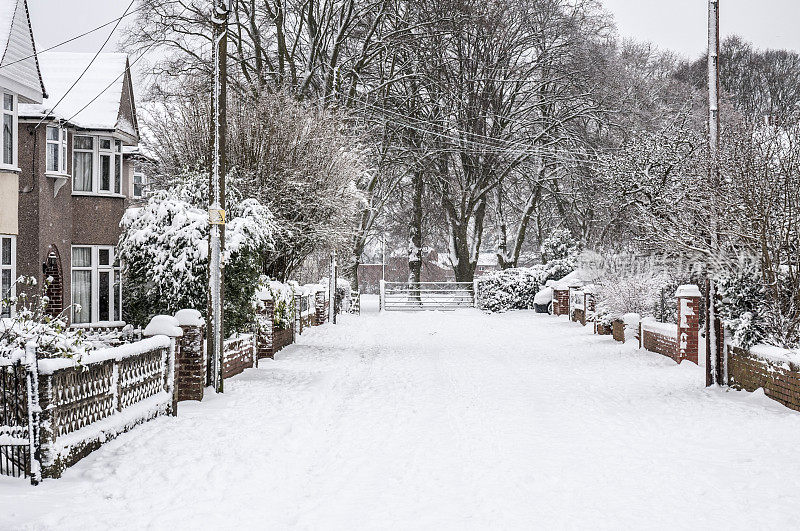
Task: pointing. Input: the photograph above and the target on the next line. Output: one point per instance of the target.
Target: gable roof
(102, 99)
(19, 68)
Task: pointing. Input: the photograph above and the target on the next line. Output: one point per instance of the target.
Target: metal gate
(18, 418)
(403, 296)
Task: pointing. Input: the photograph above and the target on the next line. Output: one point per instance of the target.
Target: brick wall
(321, 307)
(560, 302)
(618, 330)
(780, 381)
(239, 354)
(660, 344)
(579, 316)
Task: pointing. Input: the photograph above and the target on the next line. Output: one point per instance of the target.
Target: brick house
(20, 83)
(75, 181)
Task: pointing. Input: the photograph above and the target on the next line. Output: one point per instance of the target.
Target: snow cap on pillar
(189, 317)
(165, 325)
(688, 290)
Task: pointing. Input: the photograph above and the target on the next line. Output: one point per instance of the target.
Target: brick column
(319, 307)
(266, 320)
(190, 371)
(298, 313)
(688, 322)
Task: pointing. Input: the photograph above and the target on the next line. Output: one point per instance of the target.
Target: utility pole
(216, 207)
(712, 345)
(332, 289)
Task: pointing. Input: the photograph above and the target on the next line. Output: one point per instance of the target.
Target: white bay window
(8, 259)
(96, 284)
(9, 140)
(56, 150)
(97, 165)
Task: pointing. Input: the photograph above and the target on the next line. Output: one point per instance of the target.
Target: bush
(164, 252)
(511, 289)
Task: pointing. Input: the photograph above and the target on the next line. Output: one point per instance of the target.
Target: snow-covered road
(446, 420)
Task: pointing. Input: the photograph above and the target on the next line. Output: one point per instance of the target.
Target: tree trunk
(415, 236)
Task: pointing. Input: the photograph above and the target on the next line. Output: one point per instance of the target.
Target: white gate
(403, 296)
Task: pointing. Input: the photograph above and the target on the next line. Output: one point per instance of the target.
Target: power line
(152, 44)
(53, 108)
(75, 38)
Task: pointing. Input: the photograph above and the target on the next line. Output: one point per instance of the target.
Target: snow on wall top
(106, 77)
(19, 70)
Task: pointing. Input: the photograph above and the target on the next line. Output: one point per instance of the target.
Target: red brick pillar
(688, 322)
(266, 318)
(319, 307)
(190, 371)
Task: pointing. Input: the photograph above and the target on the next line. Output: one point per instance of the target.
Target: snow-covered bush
(560, 246)
(635, 293)
(511, 289)
(32, 324)
(164, 252)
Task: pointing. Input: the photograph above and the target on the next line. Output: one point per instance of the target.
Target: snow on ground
(442, 420)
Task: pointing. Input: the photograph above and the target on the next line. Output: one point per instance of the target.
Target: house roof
(96, 100)
(19, 68)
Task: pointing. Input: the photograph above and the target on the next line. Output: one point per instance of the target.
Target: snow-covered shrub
(560, 245)
(164, 252)
(32, 323)
(511, 289)
(741, 305)
(634, 293)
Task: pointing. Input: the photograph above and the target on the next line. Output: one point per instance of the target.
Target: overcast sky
(678, 25)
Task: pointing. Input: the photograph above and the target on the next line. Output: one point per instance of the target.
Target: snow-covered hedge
(164, 251)
(516, 289)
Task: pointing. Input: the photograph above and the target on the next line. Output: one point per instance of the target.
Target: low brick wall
(618, 330)
(660, 343)
(780, 381)
(239, 354)
(282, 338)
(579, 316)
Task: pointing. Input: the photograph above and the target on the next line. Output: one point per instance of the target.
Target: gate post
(382, 301)
(688, 322)
(32, 385)
(475, 293)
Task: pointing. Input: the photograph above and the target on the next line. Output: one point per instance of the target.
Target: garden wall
(111, 391)
(768, 368)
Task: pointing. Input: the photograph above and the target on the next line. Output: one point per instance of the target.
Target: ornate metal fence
(19, 412)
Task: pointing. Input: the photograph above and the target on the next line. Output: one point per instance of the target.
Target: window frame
(142, 184)
(113, 152)
(114, 285)
(14, 113)
(13, 268)
(62, 150)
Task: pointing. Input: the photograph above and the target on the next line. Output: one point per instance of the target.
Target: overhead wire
(86, 69)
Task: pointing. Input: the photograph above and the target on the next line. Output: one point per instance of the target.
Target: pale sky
(679, 25)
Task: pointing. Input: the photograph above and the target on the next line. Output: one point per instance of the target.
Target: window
(96, 285)
(7, 273)
(139, 185)
(56, 149)
(9, 129)
(97, 165)
(82, 163)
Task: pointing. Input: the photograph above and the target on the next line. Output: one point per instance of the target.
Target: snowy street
(441, 420)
